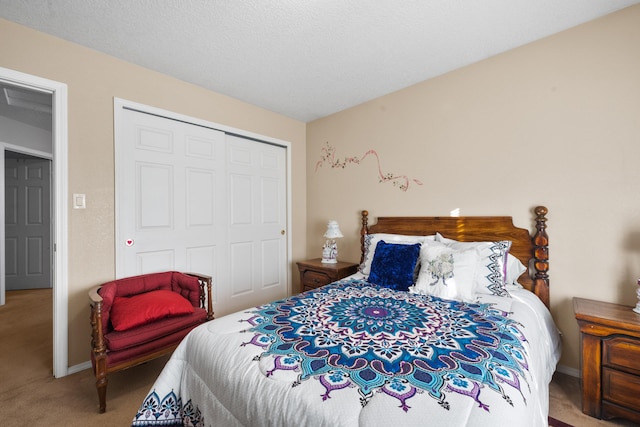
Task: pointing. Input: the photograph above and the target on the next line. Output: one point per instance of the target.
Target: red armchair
(140, 318)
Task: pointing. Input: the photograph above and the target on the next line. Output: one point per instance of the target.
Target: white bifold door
(196, 199)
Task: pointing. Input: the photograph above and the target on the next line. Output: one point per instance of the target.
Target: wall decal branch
(328, 156)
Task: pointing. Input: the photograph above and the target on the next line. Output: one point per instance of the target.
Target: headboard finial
(541, 212)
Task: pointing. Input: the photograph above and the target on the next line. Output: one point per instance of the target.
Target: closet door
(257, 251)
(192, 198)
(170, 197)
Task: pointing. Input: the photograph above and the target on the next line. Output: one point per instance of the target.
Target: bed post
(363, 232)
(541, 256)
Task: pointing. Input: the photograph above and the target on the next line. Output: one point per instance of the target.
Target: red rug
(557, 423)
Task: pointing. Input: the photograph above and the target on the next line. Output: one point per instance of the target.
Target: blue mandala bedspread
(355, 354)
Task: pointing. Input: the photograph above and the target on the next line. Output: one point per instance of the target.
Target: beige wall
(93, 80)
(556, 122)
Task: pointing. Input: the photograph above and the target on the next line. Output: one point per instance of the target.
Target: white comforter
(222, 376)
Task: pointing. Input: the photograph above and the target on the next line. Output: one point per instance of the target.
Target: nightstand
(313, 273)
(610, 359)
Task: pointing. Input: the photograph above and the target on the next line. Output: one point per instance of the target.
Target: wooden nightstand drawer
(622, 353)
(621, 388)
(314, 279)
(314, 273)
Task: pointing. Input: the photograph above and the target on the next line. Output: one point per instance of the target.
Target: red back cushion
(185, 285)
(129, 312)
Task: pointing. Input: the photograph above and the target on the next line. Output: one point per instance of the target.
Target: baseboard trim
(568, 371)
(78, 368)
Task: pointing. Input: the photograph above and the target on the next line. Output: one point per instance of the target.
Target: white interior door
(171, 178)
(27, 223)
(192, 198)
(257, 223)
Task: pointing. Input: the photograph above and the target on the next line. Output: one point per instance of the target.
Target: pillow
(515, 268)
(371, 241)
(446, 272)
(492, 278)
(129, 312)
(393, 265)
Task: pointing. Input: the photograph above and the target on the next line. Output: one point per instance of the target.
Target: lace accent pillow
(491, 278)
(446, 272)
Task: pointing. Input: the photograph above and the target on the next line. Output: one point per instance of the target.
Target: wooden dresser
(313, 273)
(610, 359)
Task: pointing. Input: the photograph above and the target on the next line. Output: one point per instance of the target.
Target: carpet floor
(30, 396)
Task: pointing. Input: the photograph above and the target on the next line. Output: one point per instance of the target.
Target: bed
(446, 323)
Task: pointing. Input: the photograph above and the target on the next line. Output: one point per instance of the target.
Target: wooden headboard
(532, 250)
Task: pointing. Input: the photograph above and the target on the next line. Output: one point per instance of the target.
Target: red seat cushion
(119, 340)
(137, 310)
(116, 357)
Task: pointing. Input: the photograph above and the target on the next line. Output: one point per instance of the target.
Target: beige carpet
(30, 396)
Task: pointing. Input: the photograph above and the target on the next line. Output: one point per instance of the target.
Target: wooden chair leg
(101, 382)
(101, 386)
(99, 350)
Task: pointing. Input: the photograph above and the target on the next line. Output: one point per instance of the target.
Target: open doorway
(26, 127)
(33, 124)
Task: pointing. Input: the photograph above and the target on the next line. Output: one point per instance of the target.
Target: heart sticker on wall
(129, 242)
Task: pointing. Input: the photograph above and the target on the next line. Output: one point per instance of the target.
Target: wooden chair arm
(98, 345)
(205, 293)
(94, 296)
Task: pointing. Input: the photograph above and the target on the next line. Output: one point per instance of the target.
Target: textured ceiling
(304, 59)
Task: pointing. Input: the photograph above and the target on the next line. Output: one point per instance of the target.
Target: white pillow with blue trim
(491, 278)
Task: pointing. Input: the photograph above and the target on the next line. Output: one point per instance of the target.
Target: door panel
(11, 221)
(271, 253)
(154, 188)
(242, 271)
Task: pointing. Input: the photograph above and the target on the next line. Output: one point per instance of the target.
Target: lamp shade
(333, 230)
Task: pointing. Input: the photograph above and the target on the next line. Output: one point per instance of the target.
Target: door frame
(119, 104)
(59, 198)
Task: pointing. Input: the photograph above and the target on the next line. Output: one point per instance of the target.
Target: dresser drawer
(621, 388)
(622, 353)
(314, 279)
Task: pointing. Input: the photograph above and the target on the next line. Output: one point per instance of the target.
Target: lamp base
(330, 252)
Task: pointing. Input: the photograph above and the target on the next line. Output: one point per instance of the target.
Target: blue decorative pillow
(393, 265)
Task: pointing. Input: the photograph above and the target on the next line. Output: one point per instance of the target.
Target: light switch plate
(79, 201)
